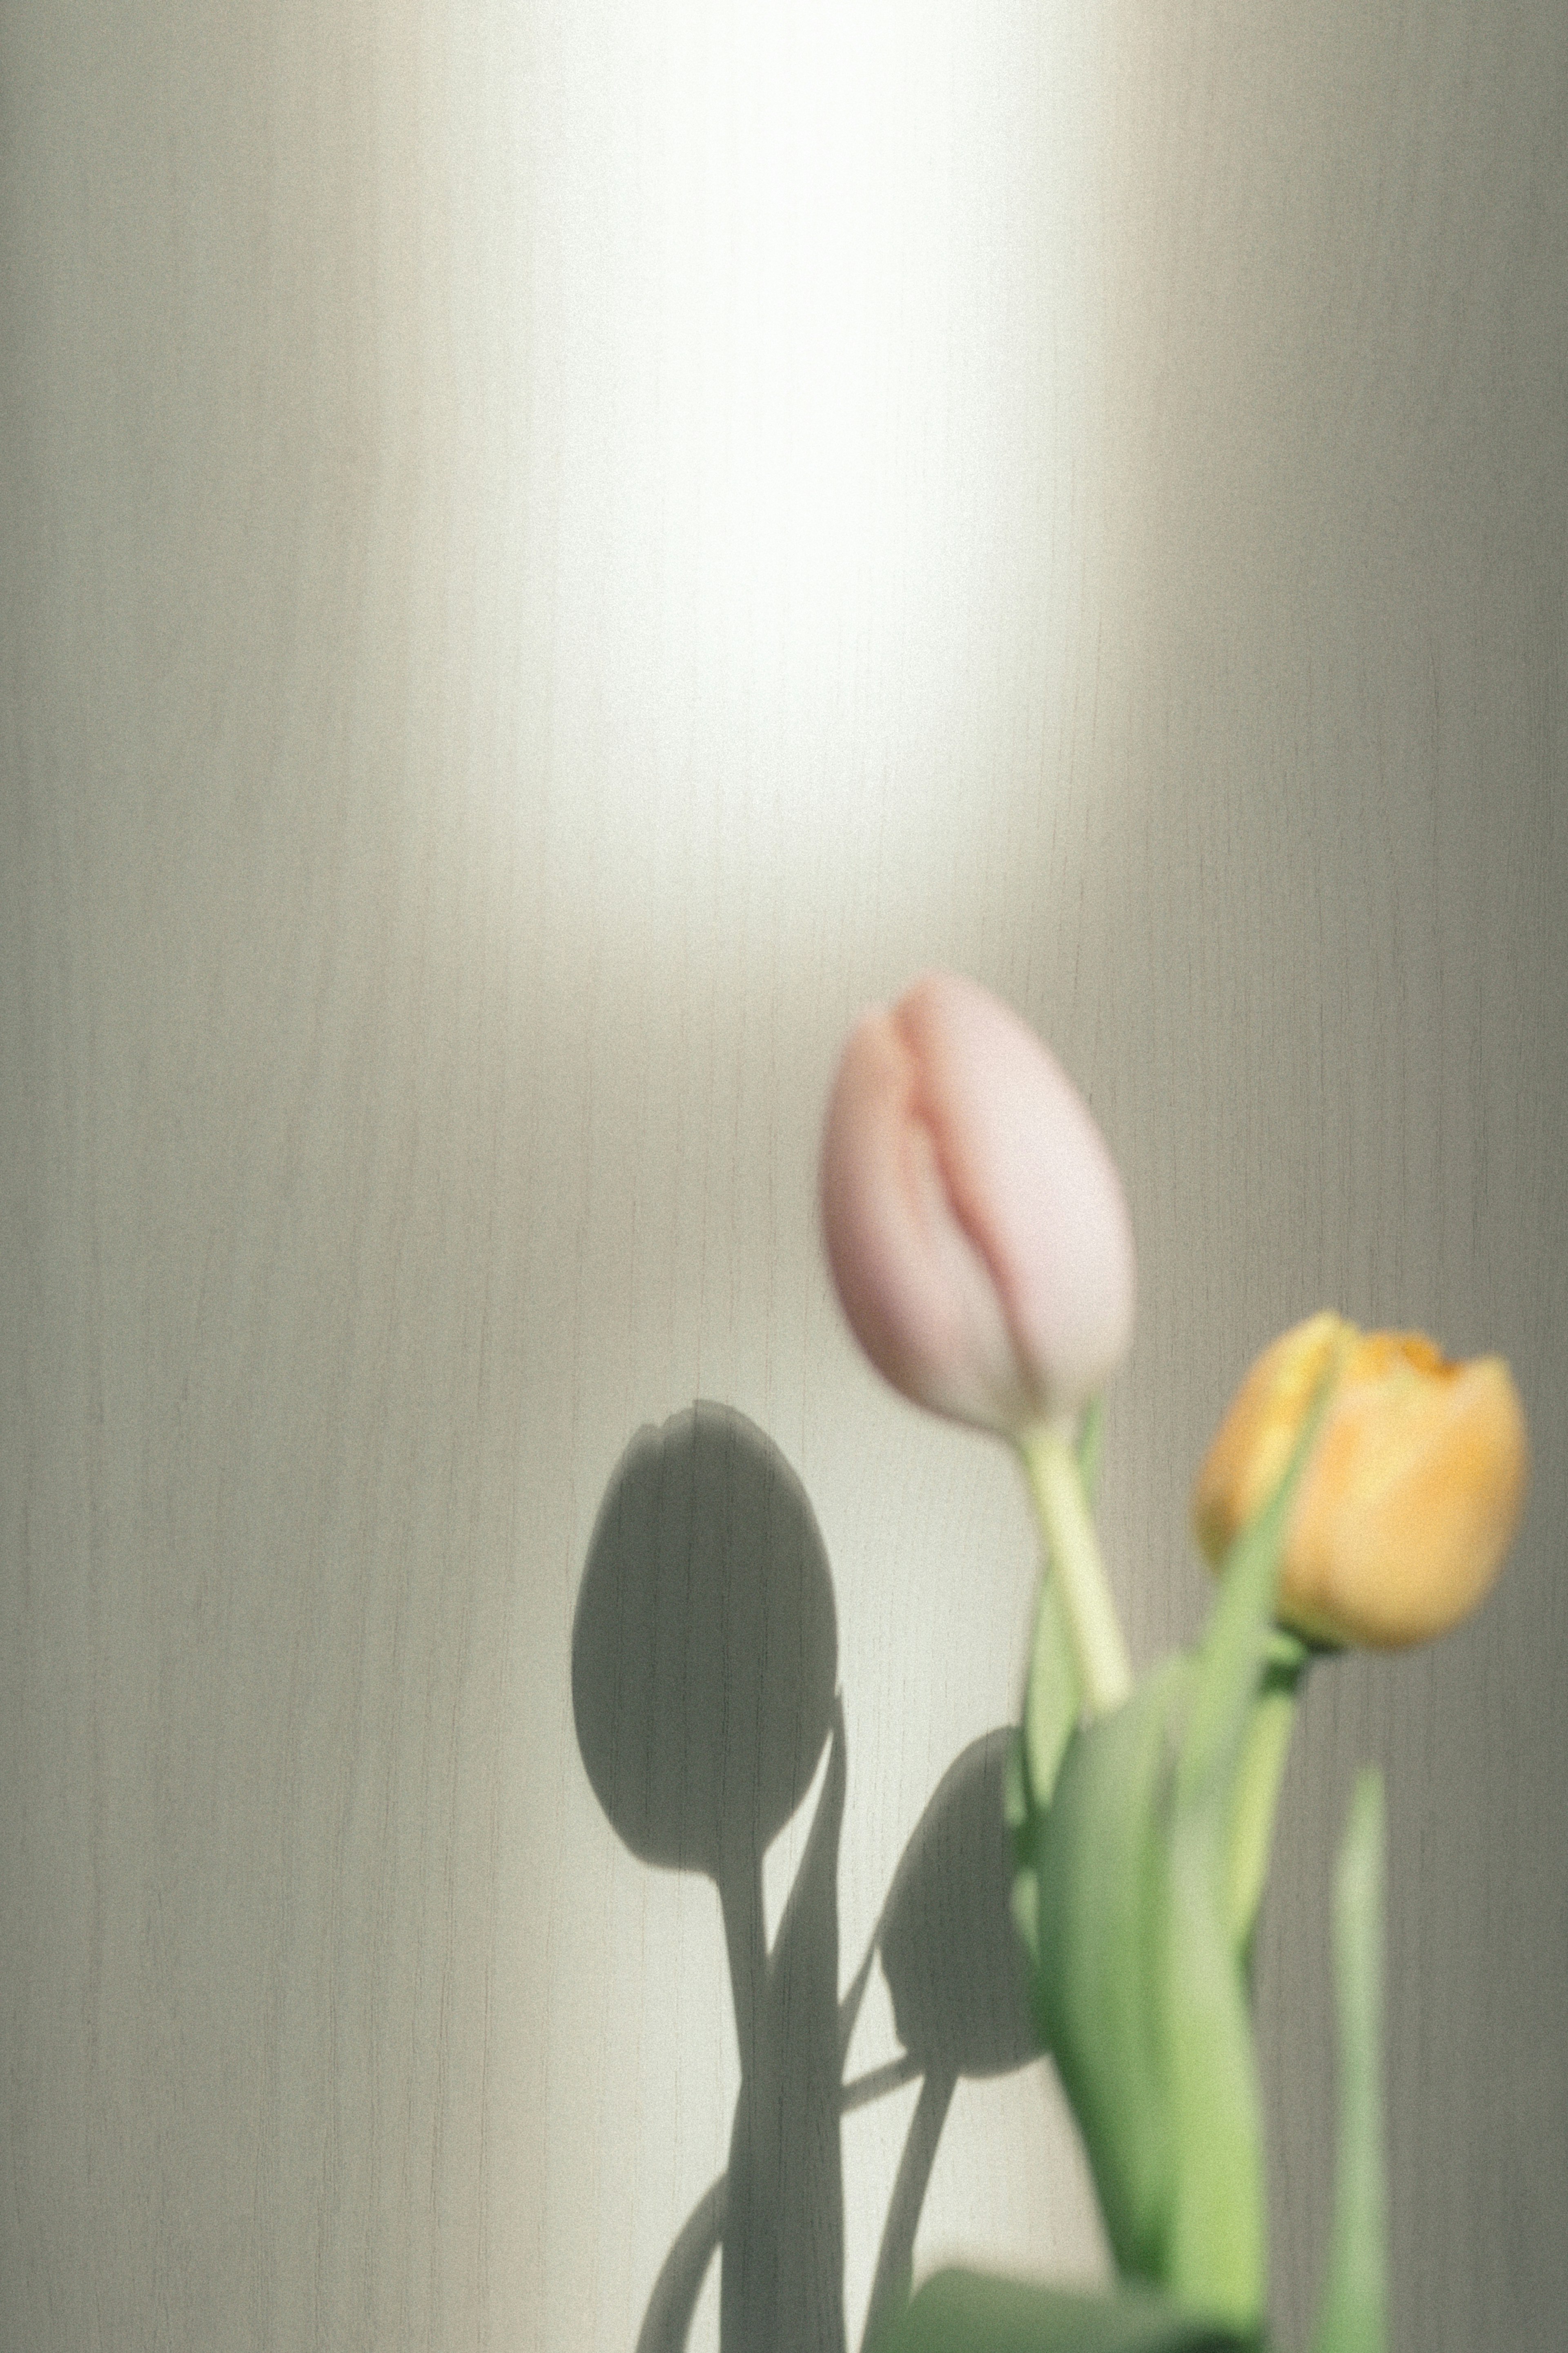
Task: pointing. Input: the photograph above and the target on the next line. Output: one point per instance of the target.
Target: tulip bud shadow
(950, 1958)
(704, 1662)
(955, 1969)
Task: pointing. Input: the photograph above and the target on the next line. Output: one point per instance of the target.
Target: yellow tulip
(1410, 1499)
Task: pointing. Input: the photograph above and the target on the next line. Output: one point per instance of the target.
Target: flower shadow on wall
(704, 1661)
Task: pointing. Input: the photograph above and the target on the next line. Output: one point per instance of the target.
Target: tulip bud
(1409, 1502)
(973, 1218)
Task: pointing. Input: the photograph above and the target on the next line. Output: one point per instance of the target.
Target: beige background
(550, 553)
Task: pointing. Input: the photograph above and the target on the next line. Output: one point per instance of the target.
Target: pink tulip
(974, 1220)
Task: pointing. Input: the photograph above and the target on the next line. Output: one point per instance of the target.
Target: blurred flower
(1412, 1492)
(974, 1220)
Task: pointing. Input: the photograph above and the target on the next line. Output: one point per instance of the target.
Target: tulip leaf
(966, 2312)
(1216, 2253)
(1098, 1857)
(1142, 1842)
(1354, 2313)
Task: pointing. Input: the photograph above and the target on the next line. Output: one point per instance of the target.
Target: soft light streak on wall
(813, 303)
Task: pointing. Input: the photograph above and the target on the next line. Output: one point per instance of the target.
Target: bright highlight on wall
(818, 336)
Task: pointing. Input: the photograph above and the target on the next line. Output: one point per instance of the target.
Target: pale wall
(550, 555)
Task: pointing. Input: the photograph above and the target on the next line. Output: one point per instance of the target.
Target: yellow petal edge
(1413, 1495)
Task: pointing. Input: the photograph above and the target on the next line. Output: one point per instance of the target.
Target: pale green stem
(1354, 2314)
(1104, 1669)
(1255, 1805)
(1053, 1696)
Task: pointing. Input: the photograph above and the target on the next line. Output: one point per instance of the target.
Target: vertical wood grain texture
(493, 677)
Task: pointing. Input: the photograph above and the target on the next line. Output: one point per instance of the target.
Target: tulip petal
(916, 1291)
(1411, 1505)
(1412, 1498)
(973, 1218)
(1033, 1184)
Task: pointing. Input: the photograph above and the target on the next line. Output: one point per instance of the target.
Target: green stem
(1053, 1696)
(1262, 1771)
(1354, 2314)
(1105, 1672)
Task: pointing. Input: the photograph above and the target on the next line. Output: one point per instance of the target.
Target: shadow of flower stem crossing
(704, 1664)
